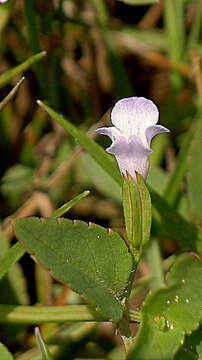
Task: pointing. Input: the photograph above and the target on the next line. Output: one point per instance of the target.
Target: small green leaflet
(95, 262)
(170, 313)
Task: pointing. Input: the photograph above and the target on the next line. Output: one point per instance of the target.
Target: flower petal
(133, 115)
(132, 156)
(154, 130)
(110, 131)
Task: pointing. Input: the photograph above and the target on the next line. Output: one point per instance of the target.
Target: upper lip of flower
(134, 121)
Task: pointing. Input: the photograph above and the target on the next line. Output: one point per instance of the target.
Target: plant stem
(126, 335)
(42, 314)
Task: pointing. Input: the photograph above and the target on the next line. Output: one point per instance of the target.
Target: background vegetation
(90, 54)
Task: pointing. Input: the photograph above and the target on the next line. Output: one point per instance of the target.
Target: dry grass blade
(11, 94)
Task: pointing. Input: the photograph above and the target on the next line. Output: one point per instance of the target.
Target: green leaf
(137, 213)
(4, 353)
(170, 312)
(10, 74)
(19, 314)
(14, 282)
(96, 263)
(10, 258)
(157, 179)
(195, 173)
(103, 182)
(14, 253)
(67, 206)
(42, 346)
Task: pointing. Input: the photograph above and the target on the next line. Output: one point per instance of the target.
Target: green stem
(126, 335)
(43, 314)
(11, 257)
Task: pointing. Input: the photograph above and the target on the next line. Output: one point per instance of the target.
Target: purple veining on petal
(134, 121)
(133, 115)
(154, 130)
(132, 156)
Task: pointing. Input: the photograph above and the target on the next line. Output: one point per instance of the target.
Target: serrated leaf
(171, 312)
(195, 173)
(94, 262)
(15, 252)
(4, 353)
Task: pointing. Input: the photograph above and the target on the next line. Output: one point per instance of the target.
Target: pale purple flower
(3, 1)
(134, 121)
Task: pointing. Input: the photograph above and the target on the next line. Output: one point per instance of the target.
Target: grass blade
(10, 74)
(11, 257)
(66, 207)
